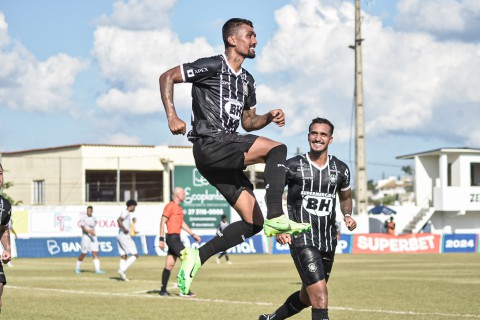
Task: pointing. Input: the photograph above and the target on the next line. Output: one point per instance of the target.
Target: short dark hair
(320, 121)
(89, 207)
(131, 202)
(224, 216)
(231, 26)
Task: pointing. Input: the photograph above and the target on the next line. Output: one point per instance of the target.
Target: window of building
(475, 174)
(101, 186)
(38, 191)
(141, 185)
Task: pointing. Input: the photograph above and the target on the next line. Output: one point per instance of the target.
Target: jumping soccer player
(223, 96)
(314, 179)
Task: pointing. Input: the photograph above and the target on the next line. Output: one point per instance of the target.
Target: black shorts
(3, 279)
(312, 265)
(175, 245)
(220, 160)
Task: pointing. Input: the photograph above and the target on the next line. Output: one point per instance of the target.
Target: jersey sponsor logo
(234, 109)
(318, 206)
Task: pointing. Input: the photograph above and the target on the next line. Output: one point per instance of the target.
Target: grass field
(373, 287)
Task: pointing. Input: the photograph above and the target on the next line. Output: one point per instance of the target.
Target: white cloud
(411, 79)
(132, 62)
(122, 139)
(33, 85)
(139, 14)
(444, 18)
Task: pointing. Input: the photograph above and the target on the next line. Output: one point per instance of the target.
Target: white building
(447, 188)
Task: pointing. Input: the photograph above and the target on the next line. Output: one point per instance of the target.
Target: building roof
(437, 152)
(77, 146)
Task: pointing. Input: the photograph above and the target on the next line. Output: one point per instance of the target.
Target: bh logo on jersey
(317, 205)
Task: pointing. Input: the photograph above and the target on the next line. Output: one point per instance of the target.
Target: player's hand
(277, 116)
(161, 245)
(197, 238)
(284, 238)
(177, 126)
(92, 233)
(350, 222)
(6, 256)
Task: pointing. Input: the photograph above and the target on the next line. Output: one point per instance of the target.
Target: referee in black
(314, 179)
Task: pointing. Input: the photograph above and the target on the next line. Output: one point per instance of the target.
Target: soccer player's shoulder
(5, 211)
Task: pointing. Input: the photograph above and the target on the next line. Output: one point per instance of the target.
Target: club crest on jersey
(332, 179)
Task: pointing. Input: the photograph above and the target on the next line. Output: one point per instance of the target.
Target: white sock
(129, 262)
(96, 263)
(79, 263)
(122, 265)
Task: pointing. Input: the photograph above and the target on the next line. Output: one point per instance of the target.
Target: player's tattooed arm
(252, 121)
(167, 81)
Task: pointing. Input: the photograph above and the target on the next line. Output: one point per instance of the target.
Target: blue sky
(87, 71)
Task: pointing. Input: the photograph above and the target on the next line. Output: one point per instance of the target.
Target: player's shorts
(220, 160)
(89, 243)
(126, 245)
(3, 279)
(312, 265)
(175, 244)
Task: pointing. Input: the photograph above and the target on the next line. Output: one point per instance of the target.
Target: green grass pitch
(373, 287)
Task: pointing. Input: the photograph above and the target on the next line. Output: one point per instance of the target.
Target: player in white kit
(89, 241)
(126, 245)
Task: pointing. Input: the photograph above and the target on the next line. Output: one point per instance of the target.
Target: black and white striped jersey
(311, 198)
(219, 95)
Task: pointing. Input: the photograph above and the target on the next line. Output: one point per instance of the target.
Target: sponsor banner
(382, 243)
(278, 248)
(249, 246)
(203, 205)
(67, 247)
(460, 243)
(344, 245)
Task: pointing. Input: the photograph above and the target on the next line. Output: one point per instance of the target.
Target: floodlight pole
(360, 153)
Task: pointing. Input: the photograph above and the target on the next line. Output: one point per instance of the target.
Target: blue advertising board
(459, 243)
(344, 245)
(66, 247)
(249, 246)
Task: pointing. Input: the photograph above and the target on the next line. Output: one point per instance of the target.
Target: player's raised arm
(252, 121)
(167, 81)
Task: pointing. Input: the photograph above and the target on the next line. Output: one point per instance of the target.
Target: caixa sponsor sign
(460, 243)
(61, 247)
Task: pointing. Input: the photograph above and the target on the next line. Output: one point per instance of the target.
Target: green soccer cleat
(189, 268)
(282, 224)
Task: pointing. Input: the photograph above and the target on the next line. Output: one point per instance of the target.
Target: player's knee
(280, 149)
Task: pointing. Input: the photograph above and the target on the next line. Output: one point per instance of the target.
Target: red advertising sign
(382, 243)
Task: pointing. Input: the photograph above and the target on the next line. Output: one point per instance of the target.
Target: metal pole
(360, 153)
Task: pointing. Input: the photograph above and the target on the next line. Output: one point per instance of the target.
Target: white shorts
(126, 245)
(89, 243)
